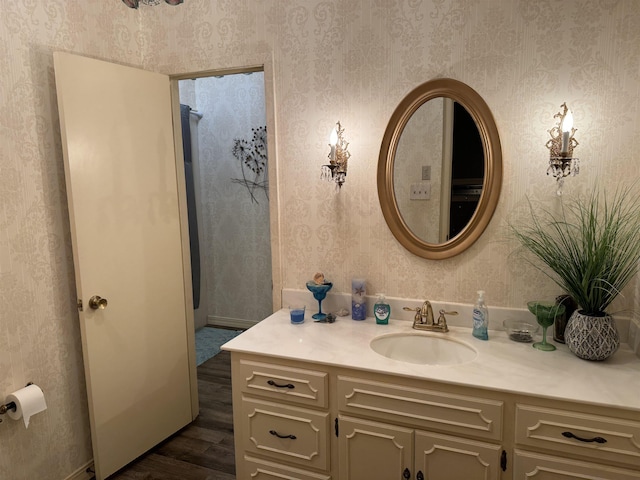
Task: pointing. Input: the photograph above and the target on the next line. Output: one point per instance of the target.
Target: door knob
(97, 302)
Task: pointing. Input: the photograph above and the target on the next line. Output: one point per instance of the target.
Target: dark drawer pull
(274, 384)
(273, 432)
(588, 440)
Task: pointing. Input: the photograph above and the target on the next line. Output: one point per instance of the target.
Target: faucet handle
(417, 318)
(442, 320)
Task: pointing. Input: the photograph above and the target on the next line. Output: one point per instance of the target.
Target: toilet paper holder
(11, 405)
(6, 407)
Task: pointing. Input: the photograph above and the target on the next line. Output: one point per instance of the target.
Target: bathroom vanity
(315, 401)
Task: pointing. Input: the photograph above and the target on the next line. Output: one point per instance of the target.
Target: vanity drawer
(593, 436)
(527, 465)
(286, 433)
(432, 410)
(305, 387)
(263, 470)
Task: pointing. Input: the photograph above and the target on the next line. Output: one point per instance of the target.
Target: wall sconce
(562, 163)
(338, 157)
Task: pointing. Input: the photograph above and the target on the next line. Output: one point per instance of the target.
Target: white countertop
(501, 364)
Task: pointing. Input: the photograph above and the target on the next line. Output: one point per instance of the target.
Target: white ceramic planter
(592, 338)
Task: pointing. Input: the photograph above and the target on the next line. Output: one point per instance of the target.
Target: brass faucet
(424, 318)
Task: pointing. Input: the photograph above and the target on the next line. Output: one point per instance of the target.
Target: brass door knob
(97, 302)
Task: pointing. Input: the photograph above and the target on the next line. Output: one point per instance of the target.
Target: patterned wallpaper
(329, 60)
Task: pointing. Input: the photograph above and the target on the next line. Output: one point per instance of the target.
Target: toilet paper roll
(29, 401)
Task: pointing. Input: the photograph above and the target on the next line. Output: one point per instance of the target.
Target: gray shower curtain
(194, 244)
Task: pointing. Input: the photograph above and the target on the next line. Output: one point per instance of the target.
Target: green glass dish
(546, 313)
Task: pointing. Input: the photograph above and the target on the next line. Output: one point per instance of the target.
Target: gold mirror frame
(481, 114)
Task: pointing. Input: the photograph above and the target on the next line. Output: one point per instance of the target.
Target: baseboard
(81, 473)
(227, 322)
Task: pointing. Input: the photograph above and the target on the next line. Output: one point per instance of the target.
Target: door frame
(263, 63)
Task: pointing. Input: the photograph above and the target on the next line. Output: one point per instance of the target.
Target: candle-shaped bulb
(333, 140)
(567, 126)
(567, 122)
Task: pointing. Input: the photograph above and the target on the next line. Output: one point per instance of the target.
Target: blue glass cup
(297, 313)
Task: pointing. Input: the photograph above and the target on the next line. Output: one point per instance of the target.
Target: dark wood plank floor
(203, 450)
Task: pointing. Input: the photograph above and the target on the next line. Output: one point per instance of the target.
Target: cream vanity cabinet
(307, 421)
(376, 450)
(425, 433)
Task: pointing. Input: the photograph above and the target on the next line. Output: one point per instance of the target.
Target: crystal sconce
(338, 157)
(562, 163)
(136, 3)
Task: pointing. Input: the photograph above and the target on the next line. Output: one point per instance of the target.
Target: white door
(119, 155)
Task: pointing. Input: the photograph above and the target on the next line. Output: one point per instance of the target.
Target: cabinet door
(371, 450)
(453, 458)
(533, 466)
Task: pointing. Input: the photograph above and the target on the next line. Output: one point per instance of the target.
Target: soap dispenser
(381, 310)
(481, 318)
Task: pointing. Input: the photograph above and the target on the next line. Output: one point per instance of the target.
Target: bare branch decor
(253, 162)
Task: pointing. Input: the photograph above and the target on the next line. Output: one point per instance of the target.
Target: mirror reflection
(438, 170)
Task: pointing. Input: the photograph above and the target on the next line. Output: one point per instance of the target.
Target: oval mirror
(440, 169)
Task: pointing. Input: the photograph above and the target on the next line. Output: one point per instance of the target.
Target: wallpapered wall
(332, 60)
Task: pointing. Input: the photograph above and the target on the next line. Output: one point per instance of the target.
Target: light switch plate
(420, 191)
(426, 172)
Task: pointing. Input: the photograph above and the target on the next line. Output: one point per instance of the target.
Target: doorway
(229, 198)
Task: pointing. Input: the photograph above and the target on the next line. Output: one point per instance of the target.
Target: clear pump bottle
(481, 318)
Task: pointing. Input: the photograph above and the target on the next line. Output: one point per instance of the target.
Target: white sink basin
(423, 349)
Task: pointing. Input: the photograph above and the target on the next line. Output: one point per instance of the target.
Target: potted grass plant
(592, 248)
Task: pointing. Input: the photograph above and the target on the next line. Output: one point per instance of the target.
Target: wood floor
(203, 450)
